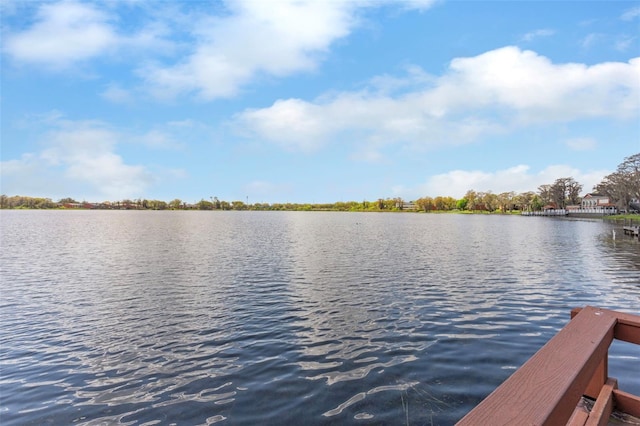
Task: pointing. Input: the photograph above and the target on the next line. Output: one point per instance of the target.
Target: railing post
(601, 374)
(598, 379)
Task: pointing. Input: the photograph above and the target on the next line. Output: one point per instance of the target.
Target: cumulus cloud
(68, 32)
(27, 176)
(63, 33)
(539, 90)
(293, 124)
(274, 38)
(224, 48)
(255, 39)
(477, 96)
(79, 157)
(86, 153)
(518, 179)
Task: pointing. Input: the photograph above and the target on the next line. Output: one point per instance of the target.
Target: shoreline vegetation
(621, 188)
(33, 203)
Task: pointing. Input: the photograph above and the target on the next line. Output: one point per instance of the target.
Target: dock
(631, 227)
(634, 231)
(550, 212)
(549, 389)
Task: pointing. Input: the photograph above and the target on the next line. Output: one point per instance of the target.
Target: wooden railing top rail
(547, 388)
(627, 326)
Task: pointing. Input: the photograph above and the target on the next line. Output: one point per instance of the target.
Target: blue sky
(314, 101)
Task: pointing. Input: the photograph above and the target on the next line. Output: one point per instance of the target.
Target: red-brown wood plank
(626, 402)
(546, 389)
(579, 417)
(603, 407)
(627, 328)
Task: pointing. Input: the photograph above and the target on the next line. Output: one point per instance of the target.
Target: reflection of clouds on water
(259, 317)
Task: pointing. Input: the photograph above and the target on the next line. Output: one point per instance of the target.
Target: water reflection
(267, 318)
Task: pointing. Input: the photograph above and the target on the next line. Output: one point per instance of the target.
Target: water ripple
(149, 318)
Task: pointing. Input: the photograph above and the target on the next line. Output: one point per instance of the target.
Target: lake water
(127, 317)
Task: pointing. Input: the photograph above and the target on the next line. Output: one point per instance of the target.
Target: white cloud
(293, 124)
(256, 39)
(517, 179)
(27, 176)
(487, 94)
(79, 157)
(87, 155)
(220, 54)
(631, 14)
(63, 33)
(275, 38)
(539, 90)
(68, 32)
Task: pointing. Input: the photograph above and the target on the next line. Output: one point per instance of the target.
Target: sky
(275, 101)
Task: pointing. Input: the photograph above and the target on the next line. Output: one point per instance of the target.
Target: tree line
(621, 186)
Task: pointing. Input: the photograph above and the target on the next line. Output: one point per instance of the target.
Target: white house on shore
(592, 204)
(597, 203)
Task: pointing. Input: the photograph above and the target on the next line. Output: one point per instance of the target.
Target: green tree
(544, 191)
(216, 203)
(565, 191)
(204, 205)
(425, 204)
(490, 201)
(67, 200)
(623, 185)
(439, 203)
(237, 205)
(472, 199)
(506, 201)
(537, 203)
(525, 200)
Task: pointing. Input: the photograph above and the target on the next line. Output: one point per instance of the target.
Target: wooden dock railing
(547, 389)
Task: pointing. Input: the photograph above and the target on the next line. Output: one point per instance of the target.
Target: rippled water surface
(124, 317)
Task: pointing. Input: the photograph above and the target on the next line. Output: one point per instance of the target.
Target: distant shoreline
(609, 217)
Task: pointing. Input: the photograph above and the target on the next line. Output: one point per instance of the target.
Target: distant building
(594, 200)
(409, 206)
